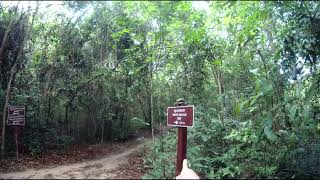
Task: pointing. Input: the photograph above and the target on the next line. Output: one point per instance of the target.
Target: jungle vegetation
(90, 72)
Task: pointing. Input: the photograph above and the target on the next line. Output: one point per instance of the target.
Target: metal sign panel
(16, 116)
(180, 116)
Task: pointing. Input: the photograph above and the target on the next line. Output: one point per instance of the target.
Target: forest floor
(116, 160)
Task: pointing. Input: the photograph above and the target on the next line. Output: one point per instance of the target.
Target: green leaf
(255, 71)
(268, 119)
(253, 100)
(306, 112)
(308, 46)
(269, 133)
(318, 126)
(264, 87)
(235, 51)
(240, 106)
(292, 112)
(217, 62)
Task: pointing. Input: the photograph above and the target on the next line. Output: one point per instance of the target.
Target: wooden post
(16, 130)
(182, 148)
(182, 142)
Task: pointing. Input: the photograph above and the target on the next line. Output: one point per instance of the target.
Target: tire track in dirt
(94, 169)
(103, 168)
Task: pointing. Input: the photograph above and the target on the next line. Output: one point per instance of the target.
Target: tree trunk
(92, 111)
(151, 105)
(271, 74)
(49, 110)
(13, 71)
(102, 130)
(218, 79)
(4, 113)
(142, 109)
(121, 114)
(66, 122)
(148, 91)
(93, 119)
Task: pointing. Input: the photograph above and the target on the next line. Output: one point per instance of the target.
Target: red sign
(16, 115)
(181, 116)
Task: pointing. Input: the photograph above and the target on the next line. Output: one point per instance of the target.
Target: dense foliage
(96, 71)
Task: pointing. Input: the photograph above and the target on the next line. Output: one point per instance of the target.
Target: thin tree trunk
(151, 105)
(271, 73)
(13, 71)
(219, 82)
(103, 123)
(49, 110)
(148, 91)
(93, 120)
(66, 122)
(142, 108)
(4, 113)
(102, 130)
(121, 120)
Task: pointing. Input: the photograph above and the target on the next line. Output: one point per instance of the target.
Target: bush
(160, 159)
(137, 123)
(66, 142)
(35, 147)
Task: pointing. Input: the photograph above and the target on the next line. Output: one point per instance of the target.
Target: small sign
(180, 116)
(16, 116)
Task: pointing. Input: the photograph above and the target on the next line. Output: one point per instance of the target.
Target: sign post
(16, 119)
(180, 116)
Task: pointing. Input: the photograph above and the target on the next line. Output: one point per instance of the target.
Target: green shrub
(35, 147)
(66, 141)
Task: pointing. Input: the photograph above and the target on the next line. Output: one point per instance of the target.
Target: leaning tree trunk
(220, 85)
(4, 114)
(13, 71)
(7, 97)
(4, 40)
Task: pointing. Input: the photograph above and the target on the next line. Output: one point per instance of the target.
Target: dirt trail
(93, 169)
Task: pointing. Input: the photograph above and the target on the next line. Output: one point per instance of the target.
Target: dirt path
(94, 169)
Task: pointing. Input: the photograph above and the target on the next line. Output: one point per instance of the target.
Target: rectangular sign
(16, 116)
(180, 116)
